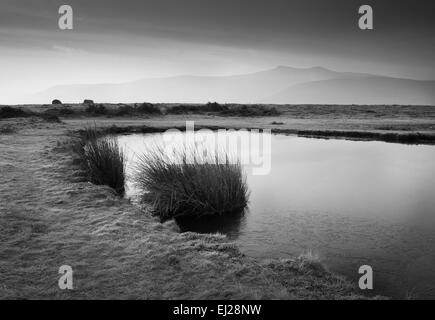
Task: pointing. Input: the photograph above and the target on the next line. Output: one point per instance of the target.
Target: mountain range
(280, 85)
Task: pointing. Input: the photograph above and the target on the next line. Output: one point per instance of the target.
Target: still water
(351, 203)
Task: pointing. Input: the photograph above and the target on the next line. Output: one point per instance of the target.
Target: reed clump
(185, 184)
(102, 158)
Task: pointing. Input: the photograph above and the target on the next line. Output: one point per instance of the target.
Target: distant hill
(281, 85)
(369, 90)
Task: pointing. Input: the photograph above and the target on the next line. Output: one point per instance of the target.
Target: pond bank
(51, 216)
(411, 133)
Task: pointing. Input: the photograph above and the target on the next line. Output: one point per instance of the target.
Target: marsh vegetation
(184, 184)
(176, 187)
(102, 159)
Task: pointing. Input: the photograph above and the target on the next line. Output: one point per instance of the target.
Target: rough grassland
(50, 216)
(391, 123)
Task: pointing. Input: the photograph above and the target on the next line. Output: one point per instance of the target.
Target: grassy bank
(116, 251)
(404, 137)
(393, 137)
(397, 124)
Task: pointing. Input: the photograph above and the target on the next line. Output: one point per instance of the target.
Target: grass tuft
(103, 159)
(177, 188)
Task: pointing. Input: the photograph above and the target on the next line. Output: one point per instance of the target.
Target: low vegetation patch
(251, 111)
(50, 117)
(215, 107)
(225, 110)
(64, 111)
(7, 129)
(185, 184)
(102, 159)
(138, 109)
(148, 108)
(9, 112)
(124, 110)
(96, 109)
(184, 109)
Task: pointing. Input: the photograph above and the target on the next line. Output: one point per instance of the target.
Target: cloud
(126, 40)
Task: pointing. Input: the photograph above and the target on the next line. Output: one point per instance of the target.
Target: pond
(351, 203)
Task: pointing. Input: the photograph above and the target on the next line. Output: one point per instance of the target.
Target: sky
(119, 41)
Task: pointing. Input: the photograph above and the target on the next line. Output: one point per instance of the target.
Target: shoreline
(397, 124)
(409, 138)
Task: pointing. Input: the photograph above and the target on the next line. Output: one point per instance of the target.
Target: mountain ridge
(279, 85)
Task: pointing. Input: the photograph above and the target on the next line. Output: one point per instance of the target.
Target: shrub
(9, 112)
(184, 109)
(190, 108)
(96, 109)
(102, 158)
(226, 110)
(148, 108)
(88, 101)
(214, 107)
(56, 101)
(177, 188)
(251, 111)
(124, 110)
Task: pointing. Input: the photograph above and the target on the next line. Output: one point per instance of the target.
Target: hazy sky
(117, 41)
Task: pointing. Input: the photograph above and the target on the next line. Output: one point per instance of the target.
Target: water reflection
(229, 225)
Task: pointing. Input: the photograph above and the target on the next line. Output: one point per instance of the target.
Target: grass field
(405, 124)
